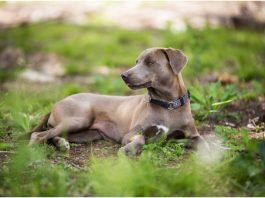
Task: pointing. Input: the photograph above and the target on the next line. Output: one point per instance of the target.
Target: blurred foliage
(84, 47)
(29, 174)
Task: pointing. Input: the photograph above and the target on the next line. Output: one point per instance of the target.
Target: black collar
(172, 104)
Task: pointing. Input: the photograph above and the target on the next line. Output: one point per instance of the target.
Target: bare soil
(80, 155)
(243, 112)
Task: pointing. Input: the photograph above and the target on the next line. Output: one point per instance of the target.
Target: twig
(8, 152)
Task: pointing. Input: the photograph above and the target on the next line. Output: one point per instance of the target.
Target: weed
(209, 100)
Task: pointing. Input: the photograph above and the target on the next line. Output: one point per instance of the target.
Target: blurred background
(49, 50)
(92, 42)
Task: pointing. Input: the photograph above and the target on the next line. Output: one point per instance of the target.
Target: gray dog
(128, 120)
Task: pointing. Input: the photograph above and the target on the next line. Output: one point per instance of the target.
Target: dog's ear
(176, 58)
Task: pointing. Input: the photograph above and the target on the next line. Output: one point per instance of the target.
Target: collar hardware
(170, 105)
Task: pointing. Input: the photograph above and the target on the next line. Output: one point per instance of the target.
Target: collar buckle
(171, 105)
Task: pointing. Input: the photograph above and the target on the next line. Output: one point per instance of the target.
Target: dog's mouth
(138, 86)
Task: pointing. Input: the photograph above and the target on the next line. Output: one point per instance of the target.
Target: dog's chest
(172, 119)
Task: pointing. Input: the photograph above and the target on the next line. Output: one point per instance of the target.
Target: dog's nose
(124, 76)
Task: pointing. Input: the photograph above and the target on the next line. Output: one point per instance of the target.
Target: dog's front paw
(122, 150)
(33, 139)
(130, 150)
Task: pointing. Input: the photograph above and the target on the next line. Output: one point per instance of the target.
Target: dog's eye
(151, 62)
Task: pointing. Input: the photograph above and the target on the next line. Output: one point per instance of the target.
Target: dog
(129, 120)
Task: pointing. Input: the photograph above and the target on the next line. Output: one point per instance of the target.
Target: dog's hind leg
(84, 136)
(68, 125)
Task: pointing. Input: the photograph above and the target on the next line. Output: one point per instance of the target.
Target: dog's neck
(174, 89)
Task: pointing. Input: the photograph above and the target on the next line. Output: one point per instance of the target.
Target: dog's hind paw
(62, 144)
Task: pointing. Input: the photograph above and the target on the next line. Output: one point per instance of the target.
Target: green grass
(164, 168)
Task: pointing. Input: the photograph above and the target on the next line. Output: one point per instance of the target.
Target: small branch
(8, 152)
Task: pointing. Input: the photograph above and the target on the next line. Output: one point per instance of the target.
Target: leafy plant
(209, 100)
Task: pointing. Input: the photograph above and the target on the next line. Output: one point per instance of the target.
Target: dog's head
(155, 67)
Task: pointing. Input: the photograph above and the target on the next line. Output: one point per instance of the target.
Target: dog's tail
(40, 127)
(43, 124)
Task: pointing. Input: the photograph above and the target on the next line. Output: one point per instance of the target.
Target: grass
(165, 168)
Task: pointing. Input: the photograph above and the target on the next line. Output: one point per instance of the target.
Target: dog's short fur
(125, 119)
